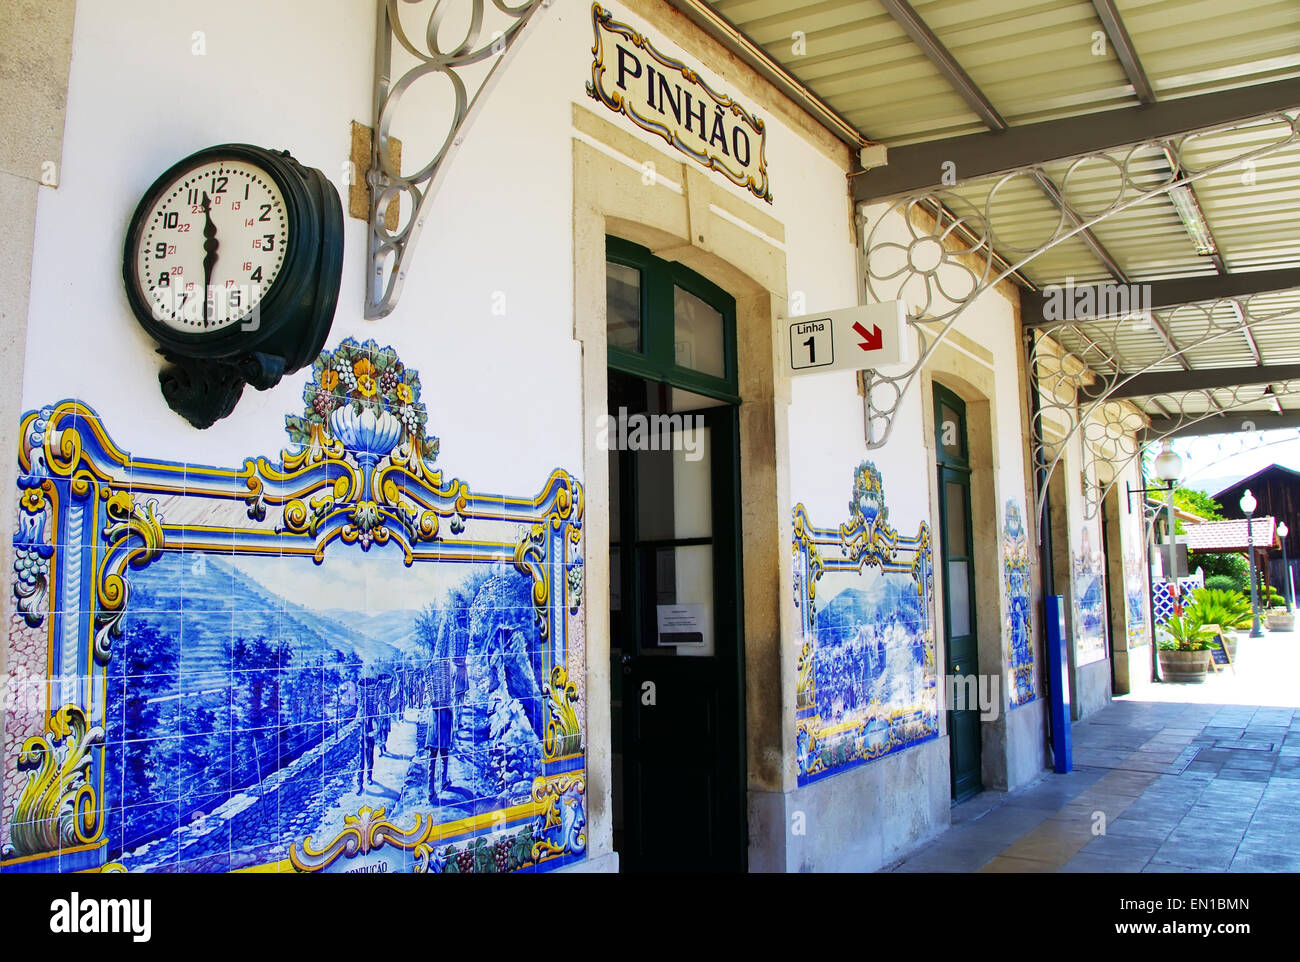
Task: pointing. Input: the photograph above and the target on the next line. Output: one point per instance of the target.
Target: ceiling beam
(919, 167)
(1229, 423)
(1088, 237)
(752, 55)
(1174, 382)
(1153, 295)
(1124, 49)
(943, 60)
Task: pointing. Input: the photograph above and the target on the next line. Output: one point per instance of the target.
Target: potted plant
(1182, 651)
(1280, 617)
(1230, 610)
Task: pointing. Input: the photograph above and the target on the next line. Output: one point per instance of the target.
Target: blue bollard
(1058, 676)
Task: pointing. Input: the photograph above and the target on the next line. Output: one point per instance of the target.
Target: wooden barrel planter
(1184, 666)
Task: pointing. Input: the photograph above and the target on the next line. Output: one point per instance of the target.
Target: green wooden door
(675, 607)
(955, 544)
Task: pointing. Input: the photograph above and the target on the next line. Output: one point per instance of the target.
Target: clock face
(211, 246)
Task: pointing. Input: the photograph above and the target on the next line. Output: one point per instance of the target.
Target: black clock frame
(209, 369)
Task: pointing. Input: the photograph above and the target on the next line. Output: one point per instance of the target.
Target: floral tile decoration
(1089, 603)
(1019, 623)
(867, 679)
(338, 660)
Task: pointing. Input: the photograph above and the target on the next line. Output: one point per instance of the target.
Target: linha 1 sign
(865, 337)
(668, 98)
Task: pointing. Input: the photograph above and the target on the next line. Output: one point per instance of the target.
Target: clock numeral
(160, 250)
(164, 280)
(235, 298)
(256, 275)
(270, 242)
(219, 184)
(236, 205)
(248, 222)
(171, 219)
(193, 196)
(266, 212)
(248, 265)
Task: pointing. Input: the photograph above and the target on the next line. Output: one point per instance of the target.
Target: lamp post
(1248, 504)
(1168, 466)
(1282, 532)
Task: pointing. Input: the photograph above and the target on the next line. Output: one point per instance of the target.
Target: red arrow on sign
(872, 340)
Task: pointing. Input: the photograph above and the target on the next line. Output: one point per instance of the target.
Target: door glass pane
(615, 498)
(623, 306)
(674, 490)
(698, 334)
(615, 589)
(950, 432)
(955, 523)
(959, 597)
(679, 594)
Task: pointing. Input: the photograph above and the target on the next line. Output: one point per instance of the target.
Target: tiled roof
(1230, 535)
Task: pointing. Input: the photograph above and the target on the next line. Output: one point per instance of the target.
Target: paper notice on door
(682, 624)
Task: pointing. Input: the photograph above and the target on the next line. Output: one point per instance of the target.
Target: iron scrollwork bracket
(389, 249)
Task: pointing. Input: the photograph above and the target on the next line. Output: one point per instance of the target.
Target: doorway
(956, 545)
(677, 705)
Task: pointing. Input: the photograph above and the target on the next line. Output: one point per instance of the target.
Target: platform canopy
(1093, 143)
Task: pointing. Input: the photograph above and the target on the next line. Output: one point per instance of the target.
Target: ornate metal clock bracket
(203, 391)
(389, 249)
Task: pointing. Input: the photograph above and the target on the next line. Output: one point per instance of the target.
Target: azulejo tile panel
(867, 677)
(1089, 602)
(1019, 622)
(339, 660)
(1135, 600)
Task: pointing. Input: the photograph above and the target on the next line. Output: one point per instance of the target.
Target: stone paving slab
(1183, 788)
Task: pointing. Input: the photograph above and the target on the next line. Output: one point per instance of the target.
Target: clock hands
(210, 245)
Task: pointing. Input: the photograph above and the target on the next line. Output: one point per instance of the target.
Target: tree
(1198, 503)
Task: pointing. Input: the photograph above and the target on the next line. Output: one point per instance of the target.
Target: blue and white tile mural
(1019, 623)
(867, 678)
(339, 661)
(1135, 600)
(1089, 603)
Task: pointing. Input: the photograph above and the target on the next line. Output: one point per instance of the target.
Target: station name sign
(666, 97)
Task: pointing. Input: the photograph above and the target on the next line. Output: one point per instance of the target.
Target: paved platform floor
(1177, 786)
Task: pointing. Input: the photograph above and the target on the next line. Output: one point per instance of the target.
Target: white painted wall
(503, 391)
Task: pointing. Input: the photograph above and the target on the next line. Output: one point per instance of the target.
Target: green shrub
(1222, 565)
(1222, 583)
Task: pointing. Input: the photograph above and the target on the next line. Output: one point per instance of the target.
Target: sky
(374, 580)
